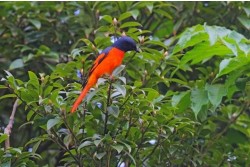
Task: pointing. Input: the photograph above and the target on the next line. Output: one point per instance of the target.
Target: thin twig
(8, 128)
(108, 104)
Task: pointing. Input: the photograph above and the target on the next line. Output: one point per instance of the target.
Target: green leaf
(212, 34)
(18, 63)
(8, 73)
(35, 147)
(7, 96)
(33, 80)
(234, 135)
(85, 144)
(202, 115)
(36, 23)
(135, 13)
(163, 13)
(113, 110)
(100, 155)
(231, 64)
(130, 24)
(28, 95)
(126, 145)
(97, 142)
(118, 70)
(3, 87)
(204, 51)
(121, 89)
(52, 122)
(59, 7)
(190, 37)
(118, 148)
(247, 10)
(181, 100)
(245, 48)
(47, 91)
(3, 137)
(150, 7)
(30, 114)
(152, 94)
(159, 43)
(198, 99)
(15, 150)
(40, 138)
(107, 18)
(231, 46)
(241, 83)
(216, 93)
(124, 16)
(244, 21)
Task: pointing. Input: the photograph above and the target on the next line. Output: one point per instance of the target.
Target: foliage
(183, 101)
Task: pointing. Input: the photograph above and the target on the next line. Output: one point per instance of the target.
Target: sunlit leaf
(212, 34)
(18, 63)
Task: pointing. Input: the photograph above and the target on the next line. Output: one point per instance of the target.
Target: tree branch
(8, 128)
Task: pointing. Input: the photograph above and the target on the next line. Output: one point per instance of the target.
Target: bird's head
(125, 44)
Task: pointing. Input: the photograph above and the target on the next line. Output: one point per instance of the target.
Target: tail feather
(91, 82)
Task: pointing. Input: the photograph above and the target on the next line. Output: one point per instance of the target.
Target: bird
(108, 60)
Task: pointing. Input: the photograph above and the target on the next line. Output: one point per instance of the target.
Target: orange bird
(106, 62)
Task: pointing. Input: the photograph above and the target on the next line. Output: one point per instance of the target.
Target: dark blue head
(125, 44)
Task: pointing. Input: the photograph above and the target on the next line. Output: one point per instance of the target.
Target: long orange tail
(92, 80)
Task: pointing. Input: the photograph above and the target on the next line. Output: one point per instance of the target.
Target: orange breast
(107, 66)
